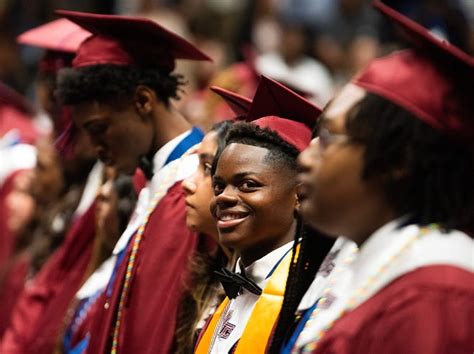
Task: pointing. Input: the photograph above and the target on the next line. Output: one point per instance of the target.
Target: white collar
(91, 189)
(160, 157)
(259, 270)
(397, 250)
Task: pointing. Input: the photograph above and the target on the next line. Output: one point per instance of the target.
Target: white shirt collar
(259, 270)
(160, 157)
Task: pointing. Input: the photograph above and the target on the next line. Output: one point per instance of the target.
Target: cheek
(275, 209)
(204, 195)
(338, 184)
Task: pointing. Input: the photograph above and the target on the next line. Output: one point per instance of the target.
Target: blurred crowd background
(311, 45)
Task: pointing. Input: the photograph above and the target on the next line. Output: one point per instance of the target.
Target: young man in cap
(256, 211)
(120, 90)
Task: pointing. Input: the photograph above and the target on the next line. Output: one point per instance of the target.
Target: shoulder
(428, 310)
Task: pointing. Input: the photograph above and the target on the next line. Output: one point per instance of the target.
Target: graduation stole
(259, 327)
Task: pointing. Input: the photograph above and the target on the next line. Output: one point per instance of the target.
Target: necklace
(360, 294)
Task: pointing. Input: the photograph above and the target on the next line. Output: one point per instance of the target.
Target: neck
(250, 255)
(168, 123)
(382, 218)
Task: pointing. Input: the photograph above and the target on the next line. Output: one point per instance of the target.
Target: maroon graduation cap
(282, 110)
(239, 104)
(61, 38)
(124, 40)
(59, 35)
(277, 108)
(422, 79)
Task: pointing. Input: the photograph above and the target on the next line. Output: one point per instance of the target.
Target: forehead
(90, 110)
(208, 144)
(348, 97)
(238, 158)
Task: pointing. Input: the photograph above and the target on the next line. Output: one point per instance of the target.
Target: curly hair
(426, 173)
(111, 82)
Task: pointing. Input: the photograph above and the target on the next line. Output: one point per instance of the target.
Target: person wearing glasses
(391, 170)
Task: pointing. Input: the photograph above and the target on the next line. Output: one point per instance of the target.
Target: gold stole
(259, 327)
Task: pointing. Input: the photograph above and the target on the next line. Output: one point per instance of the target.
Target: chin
(307, 211)
(230, 240)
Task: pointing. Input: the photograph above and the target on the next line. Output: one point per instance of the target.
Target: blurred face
(336, 199)
(19, 202)
(106, 210)
(47, 174)
(254, 202)
(118, 133)
(198, 189)
(293, 43)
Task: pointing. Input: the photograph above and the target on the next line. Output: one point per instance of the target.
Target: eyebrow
(237, 176)
(242, 174)
(206, 156)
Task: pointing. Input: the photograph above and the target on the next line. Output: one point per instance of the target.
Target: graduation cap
(282, 110)
(239, 104)
(61, 38)
(59, 35)
(276, 107)
(422, 79)
(124, 40)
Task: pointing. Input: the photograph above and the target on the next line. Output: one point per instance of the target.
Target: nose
(223, 201)
(307, 155)
(227, 198)
(189, 185)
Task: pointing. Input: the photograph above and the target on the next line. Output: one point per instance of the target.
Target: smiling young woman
(203, 292)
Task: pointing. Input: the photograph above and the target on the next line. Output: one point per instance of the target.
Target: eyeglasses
(326, 138)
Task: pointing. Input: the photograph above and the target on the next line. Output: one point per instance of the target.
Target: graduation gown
(247, 321)
(37, 319)
(407, 290)
(160, 269)
(12, 281)
(149, 318)
(38, 315)
(428, 311)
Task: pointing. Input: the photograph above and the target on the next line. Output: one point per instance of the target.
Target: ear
(297, 199)
(145, 100)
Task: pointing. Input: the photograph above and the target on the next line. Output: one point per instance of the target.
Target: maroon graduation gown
(149, 318)
(37, 318)
(12, 281)
(426, 311)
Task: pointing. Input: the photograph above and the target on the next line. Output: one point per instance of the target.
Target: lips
(230, 218)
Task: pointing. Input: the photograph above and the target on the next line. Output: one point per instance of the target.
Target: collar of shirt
(185, 168)
(160, 157)
(335, 259)
(259, 270)
(434, 248)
